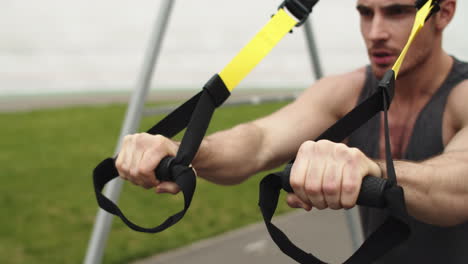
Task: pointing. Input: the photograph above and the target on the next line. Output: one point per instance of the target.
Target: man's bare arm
(329, 175)
(436, 190)
(231, 156)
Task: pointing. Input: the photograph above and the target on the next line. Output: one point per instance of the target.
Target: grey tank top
(427, 243)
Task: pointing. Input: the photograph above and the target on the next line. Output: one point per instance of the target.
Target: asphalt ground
(34, 102)
(325, 234)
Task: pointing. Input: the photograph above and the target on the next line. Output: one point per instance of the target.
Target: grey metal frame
(135, 111)
(103, 222)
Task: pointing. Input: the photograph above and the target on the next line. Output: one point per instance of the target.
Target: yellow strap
(421, 16)
(278, 26)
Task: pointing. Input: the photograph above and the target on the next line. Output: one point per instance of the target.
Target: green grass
(47, 200)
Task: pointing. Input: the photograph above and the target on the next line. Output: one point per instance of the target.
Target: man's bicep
(459, 142)
(305, 118)
(459, 108)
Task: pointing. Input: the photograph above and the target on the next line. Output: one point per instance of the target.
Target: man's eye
(400, 10)
(365, 12)
(396, 11)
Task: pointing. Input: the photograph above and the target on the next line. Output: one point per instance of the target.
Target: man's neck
(424, 80)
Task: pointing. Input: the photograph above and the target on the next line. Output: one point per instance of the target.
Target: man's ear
(446, 13)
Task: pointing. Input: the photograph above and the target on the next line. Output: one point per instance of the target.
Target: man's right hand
(139, 157)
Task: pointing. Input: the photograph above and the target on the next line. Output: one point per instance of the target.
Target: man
(428, 124)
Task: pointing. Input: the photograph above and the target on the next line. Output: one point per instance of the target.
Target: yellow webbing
(278, 26)
(419, 21)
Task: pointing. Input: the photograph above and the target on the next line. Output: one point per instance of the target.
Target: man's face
(385, 27)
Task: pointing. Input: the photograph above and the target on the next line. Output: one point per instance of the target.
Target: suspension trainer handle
(163, 171)
(372, 193)
(195, 115)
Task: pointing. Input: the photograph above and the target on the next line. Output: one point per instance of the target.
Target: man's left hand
(328, 175)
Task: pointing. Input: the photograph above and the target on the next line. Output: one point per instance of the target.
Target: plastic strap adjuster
(298, 9)
(217, 90)
(387, 84)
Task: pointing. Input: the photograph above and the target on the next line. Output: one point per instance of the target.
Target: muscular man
(429, 137)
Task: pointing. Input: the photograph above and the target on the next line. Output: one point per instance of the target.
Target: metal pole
(352, 216)
(103, 222)
(354, 227)
(313, 53)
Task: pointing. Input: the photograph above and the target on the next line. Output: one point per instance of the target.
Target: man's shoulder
(457, 103)
(352, 78)
(344, 88)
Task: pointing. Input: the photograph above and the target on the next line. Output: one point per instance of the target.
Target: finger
(120, 164)
(168, 187)
(314, 182)
(123, 162)
(133, 159)
(148, 164)
(295, 202)
(351, 184)
(332, 184)
(373, 168)
(299, 172)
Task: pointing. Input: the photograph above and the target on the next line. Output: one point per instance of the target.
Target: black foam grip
(371, 193)
(164, 171)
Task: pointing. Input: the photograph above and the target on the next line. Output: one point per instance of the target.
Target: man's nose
(379, 29)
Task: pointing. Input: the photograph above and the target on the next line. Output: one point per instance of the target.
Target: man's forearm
(436, 190)
(231, 156)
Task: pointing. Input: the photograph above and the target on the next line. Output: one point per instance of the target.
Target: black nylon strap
(195, 114)
(392, 232)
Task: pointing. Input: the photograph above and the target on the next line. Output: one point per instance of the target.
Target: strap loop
(217, 90)
(375, 192)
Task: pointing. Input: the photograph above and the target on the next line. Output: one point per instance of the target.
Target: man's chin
(379, 70)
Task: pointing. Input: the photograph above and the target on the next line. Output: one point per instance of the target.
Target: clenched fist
(140, 155)
(328, 175)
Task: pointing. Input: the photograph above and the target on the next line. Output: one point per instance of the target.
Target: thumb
(168, 187)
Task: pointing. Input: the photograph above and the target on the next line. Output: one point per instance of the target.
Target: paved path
(323, 233)
(27, 103)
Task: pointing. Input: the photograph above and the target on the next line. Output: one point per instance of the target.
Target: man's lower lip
(385, 60)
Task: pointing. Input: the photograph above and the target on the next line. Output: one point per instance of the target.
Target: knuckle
(324, 146)
(127, 138)
(118, 164)
(349, 188)
(143, 170)
(355, 153)
(306, 147)
(313, 190)
(123, 166)
(340, 150)
(139, 140)
(159, 139)
(324, 142)
(331, 188)
(133, 174)
(295, 184)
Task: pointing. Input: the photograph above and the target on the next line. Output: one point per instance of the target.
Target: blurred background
(56, 50)
(55, 46)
